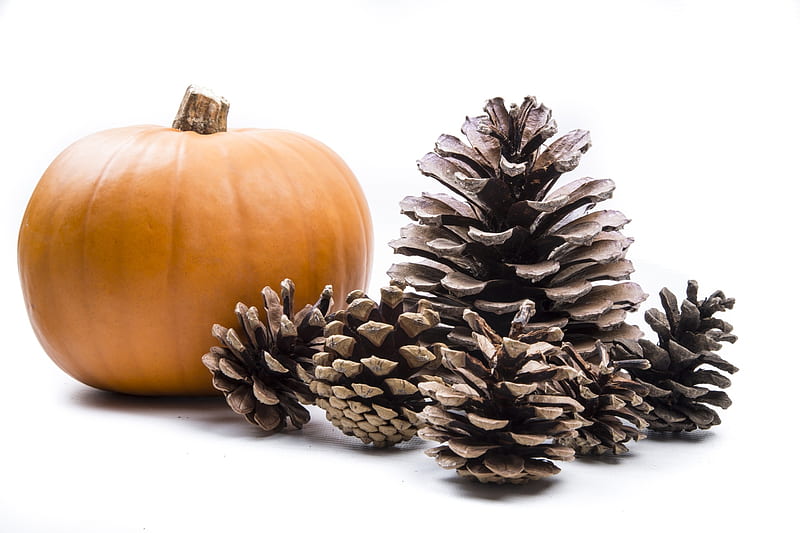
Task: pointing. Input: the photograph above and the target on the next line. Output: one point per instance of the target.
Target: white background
(693, 111)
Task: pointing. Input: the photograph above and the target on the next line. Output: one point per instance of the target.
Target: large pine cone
(365, 378)
(264, 368)
(502, 409)
(688, 338)
(511, 236)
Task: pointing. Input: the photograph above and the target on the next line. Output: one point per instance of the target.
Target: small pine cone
(264, 368)
(612, 400)
(502, 410)
(509, 235)
(365, 378)
(688, 338)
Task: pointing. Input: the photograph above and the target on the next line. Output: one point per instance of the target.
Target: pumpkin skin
(136, 240)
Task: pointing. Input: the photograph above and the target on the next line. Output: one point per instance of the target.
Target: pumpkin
(137, 239)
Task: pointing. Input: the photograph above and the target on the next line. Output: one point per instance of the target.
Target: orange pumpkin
(136, 240)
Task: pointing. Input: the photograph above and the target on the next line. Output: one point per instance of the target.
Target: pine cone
(501, 411)
(612, 400)
(365, 380)
(264, 368)
(511, 236)
(688, 338)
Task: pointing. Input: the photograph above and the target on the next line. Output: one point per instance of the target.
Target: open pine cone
(502, 410)
(511, 236)
(365, 378)
(688, 338)
(263, 368)
(612, 401)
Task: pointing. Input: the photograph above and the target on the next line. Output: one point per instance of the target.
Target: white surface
(693, 112)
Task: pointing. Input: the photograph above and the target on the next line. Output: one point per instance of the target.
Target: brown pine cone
(502, 409)
(688, 338)
(612, 400)
(509, 235)
(263, 368)
(365, 378)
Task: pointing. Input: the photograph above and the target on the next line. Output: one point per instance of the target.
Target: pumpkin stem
(202, 111)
